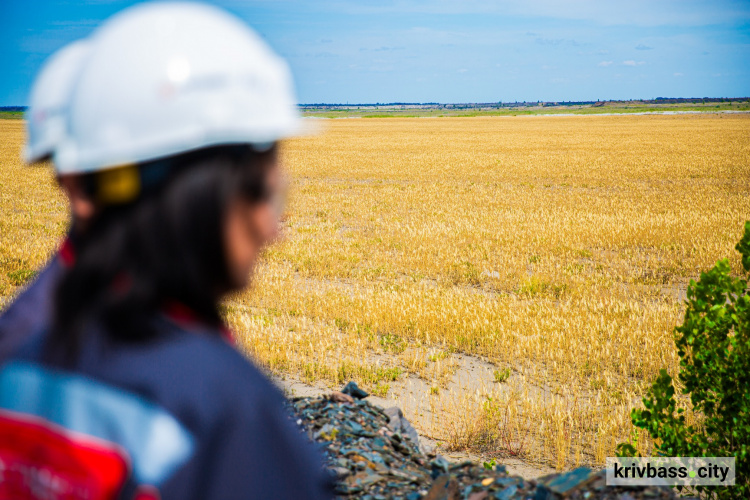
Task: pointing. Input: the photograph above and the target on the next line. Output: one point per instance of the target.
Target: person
(133, 388)
(45, 124)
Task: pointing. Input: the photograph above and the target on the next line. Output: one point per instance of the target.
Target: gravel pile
(375, 454)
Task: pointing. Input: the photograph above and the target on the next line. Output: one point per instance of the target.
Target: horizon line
(493, 103)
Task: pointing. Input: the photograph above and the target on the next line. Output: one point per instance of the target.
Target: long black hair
(165, 245)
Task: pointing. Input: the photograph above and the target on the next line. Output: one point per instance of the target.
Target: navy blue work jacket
(181, 416)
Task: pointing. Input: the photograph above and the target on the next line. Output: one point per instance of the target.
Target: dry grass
(32, 212)
(559, 247)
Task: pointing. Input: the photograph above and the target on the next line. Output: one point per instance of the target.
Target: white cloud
(463, 70)
(633, 63)
(605, 63)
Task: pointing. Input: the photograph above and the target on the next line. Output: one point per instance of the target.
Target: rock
(340, 397)
(353, 390)
(507, 493)
(340, 472)
(563, 483)
(439, 466)
(444, 488)
(401, 425)
(374, 453)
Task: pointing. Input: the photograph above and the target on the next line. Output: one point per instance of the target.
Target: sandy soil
(412, 396)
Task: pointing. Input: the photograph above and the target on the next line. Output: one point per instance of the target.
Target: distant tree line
(500, 104)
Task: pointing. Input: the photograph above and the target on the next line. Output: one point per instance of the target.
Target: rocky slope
(375, 454)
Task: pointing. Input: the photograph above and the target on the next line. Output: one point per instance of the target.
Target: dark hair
(167, 244)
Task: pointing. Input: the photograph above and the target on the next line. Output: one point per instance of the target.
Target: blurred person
(132, 387)
(45, 128)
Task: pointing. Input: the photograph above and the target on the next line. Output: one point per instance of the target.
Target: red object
(147, 493)
(228, 335)
(42, 460)
(187, 318)
(180, 313)
(67, 253)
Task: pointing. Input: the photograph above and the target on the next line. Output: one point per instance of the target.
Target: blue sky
(449, 51)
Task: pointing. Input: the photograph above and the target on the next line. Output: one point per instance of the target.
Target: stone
(372, 455)
(400, 425)
(353, 390)
(444, 488)
(340, 397)
(507, 493)
(563, 483)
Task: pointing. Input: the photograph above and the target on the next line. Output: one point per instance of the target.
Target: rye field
(511, 282)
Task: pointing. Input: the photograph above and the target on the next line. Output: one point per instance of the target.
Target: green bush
(714, 348)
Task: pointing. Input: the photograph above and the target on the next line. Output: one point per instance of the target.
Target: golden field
(555, 250)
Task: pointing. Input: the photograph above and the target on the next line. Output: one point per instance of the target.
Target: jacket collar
(185, 317)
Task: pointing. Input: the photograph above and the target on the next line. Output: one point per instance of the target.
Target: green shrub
(714, 347)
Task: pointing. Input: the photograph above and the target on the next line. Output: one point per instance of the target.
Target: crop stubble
(557, 247)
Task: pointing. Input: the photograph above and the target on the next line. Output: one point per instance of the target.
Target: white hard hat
(166, 78)
(48, 101)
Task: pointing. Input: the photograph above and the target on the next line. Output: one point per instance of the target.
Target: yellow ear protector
(126, 183)
(118, 185)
